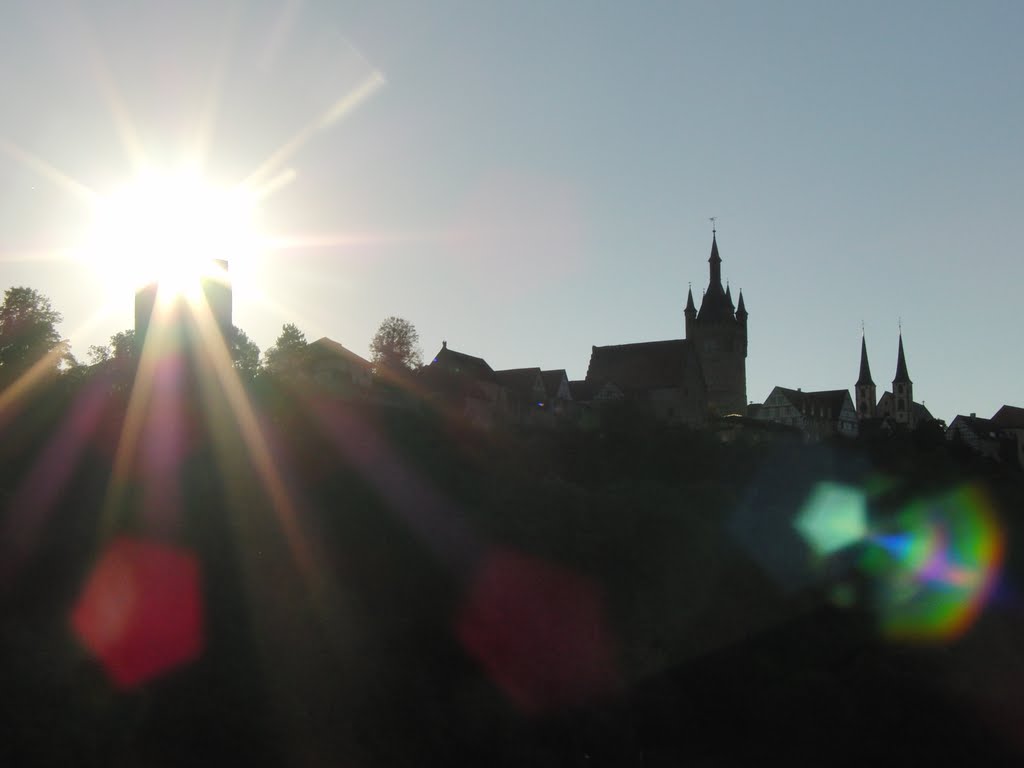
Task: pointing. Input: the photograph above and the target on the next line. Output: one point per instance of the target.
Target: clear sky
(529, 179)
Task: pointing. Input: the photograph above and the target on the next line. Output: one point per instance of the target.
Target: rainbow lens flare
(936, 566)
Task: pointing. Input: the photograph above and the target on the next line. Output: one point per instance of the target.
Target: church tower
(865, 388)
(903, 391)
(718, 333)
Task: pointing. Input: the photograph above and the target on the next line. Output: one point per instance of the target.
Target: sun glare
(170, 228)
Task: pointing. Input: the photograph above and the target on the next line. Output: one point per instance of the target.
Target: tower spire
(716, 263)
(865, 369)
(902, 377)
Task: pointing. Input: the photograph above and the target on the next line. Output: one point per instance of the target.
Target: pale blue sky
(536, 178)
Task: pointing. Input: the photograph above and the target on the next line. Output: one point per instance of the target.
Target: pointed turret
(690, 313)
(718, 334)
(716, 304)
(865, 369)
(716, 262)
(864, 390)
(901, 366)
(741, 310)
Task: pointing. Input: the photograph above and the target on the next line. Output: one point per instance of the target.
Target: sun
(171, 228)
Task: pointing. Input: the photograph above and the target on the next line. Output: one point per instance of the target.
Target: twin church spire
(899, 404)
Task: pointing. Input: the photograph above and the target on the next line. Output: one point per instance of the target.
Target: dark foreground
(385, 587)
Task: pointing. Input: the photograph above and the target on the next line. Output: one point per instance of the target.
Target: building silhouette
(718, 334)
(685, 380)
(897, 406)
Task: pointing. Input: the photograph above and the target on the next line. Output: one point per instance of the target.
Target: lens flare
(140, 612)
(937, 566)
(834, 517)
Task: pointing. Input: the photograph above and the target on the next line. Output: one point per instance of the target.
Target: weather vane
(712, 220)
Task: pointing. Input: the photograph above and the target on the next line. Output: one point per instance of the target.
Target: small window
(900, 405)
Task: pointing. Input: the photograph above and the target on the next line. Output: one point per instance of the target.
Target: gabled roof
(826, 403)
(328, 346)
(520, 381)
(979, 426)
(644, 366)
(1009, 417)
(459, 362)
(553, 380)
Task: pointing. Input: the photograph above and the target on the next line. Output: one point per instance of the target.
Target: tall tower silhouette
(865, 388)
(903, 391)
(718, 332)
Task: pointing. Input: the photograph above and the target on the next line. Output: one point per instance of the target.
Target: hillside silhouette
(632, 595)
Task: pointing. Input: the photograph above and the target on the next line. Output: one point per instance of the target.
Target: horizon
(528, 183)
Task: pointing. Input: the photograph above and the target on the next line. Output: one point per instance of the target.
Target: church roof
(865, 369)
(643, 366)
(921, 413)
(716, 304)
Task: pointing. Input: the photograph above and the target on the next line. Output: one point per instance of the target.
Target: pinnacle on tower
(690, 308)
(741, 308)
(865, 369)
(716, 263)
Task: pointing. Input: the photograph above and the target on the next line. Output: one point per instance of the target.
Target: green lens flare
(834, 517)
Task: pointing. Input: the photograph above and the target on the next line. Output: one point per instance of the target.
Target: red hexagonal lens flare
(140, 612)
(540, 633)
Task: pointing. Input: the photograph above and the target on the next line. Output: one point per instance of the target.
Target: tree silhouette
(285, 353)
(245, 354)
(28, 331)
(395, 346)
(121, 348)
